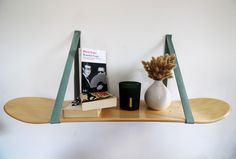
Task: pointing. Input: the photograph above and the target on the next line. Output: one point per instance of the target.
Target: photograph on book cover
(94, 77)
(94, 71)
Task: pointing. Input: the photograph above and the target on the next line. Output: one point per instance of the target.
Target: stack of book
(91, 105)
(93, 79)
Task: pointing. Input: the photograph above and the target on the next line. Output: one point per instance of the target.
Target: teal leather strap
(169, 49)
(56, 113)
(76, 75)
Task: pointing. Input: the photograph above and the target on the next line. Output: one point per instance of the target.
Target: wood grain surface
(38, 110)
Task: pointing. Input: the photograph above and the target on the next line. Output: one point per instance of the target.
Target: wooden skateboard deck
(38, 110)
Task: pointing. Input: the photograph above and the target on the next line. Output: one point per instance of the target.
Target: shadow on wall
(105, 141)
(233, 156)
(2, 129)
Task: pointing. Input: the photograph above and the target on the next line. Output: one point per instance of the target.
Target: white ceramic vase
(157, 96)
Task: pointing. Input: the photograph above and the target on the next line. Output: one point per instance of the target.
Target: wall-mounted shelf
(37, 110)
(42, 110)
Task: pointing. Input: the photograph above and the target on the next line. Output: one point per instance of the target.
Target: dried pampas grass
(160, 68)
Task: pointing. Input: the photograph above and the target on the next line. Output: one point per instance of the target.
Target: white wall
(35, 38)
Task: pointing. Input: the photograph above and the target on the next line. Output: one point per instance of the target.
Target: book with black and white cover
(93, 70)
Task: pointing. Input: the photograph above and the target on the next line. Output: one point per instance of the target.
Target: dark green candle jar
(129, 94)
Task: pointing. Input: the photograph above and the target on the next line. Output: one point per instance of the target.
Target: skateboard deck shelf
(37, 110)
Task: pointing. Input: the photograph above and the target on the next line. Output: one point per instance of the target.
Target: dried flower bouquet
(160, 68)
